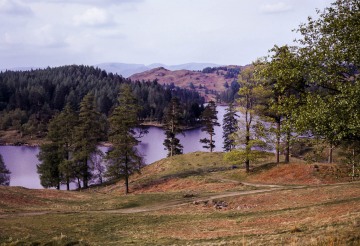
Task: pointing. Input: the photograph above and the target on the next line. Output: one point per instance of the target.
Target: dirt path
(174, 203)
(159, 206)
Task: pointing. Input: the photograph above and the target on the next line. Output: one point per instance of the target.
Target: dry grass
(172, 204)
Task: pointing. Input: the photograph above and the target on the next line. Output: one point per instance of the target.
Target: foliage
(251, 100)
(87, 135)
(209, 119)
(350, 154)
(330, 51)
(29, 99)
(284, 82)
(123, 158)
(4, 173)
(56, 165)
(230, 127)
(172, 127)
(230, 94)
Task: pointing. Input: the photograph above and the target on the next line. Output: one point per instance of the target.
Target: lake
(22, 160)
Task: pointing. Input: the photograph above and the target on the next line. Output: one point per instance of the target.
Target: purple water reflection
(22, 160)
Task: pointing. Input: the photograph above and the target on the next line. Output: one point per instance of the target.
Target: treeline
(310, 92)
(29, 99)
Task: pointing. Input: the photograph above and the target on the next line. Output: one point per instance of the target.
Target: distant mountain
(208, 82)
(123, 69)
(126, 70)
(20, 69)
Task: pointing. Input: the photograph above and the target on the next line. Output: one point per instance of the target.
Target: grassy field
(193, 199)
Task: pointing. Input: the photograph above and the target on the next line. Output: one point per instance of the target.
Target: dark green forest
(29, 99)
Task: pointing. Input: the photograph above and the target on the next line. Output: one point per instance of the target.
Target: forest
(29, 99)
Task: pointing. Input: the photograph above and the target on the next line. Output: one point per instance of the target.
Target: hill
(209, 82)
(192, 199)
(126, 70)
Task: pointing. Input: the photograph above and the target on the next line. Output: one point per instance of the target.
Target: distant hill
(19, 69)
(126, 70)
(209, 82)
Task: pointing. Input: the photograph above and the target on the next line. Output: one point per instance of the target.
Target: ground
(193, 199)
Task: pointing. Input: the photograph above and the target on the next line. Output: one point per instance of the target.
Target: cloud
(93, 17)
(275, 8)
(12, 7)
(89, 2)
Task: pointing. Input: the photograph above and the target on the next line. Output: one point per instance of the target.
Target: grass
(171, 204)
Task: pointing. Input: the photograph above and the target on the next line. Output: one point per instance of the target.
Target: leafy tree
(172, 127)
(4, 173)
(230, 127)
(329, 48)
(123, 158)
(284, 84)
(209, 119)
(87, 135)
(251, 96)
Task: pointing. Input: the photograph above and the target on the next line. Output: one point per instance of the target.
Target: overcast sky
(40, 33)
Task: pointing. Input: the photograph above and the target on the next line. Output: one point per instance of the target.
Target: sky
(41, 33)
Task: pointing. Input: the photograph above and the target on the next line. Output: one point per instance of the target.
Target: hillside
(126, 69)
(207, 82)
(192, 199)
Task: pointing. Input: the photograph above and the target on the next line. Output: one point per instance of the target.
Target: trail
(158, 206)
(176, 203)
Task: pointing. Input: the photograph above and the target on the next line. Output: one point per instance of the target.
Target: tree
(68, 121)
(251, 95)
(209, 119)
(172, 127)
(4, 173)
(48, 168)
(329, 48)
(123, 158)
(284, 84)
(87, 134)
(230, 127)
(56, 166)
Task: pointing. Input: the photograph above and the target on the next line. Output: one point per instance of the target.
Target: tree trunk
(85, 175)
(211, 143)
(67, 183)
(330, 159)
(79, 184)
(278, 137)
(126, 176)
(287, 150)
(353, 165)
(247, 145)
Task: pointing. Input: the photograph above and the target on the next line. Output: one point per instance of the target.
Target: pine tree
(68, 120)
(230, 127)
(87, 134)
(4, 173)
(48, 168)
(55, 155)
(172, 127)
(209, 119)
(123, 158)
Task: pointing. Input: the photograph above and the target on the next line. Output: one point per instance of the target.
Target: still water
(22, 160)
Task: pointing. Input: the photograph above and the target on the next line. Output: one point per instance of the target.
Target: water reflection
(22, 160)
